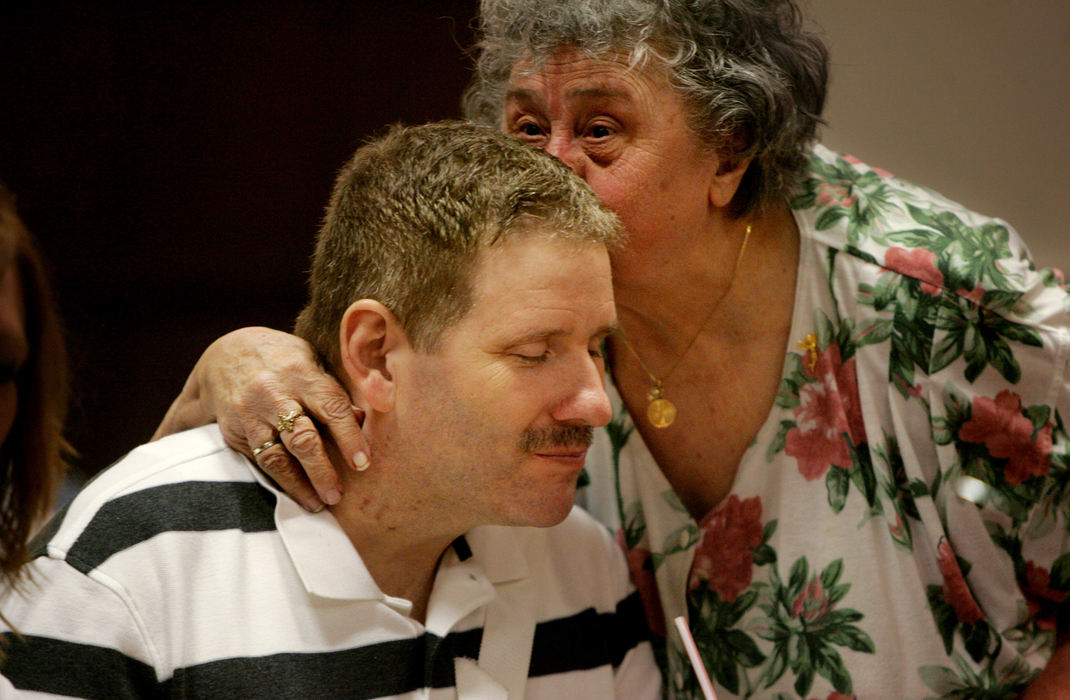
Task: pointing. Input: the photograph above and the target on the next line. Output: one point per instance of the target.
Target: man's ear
(725, 182)
(368, 336)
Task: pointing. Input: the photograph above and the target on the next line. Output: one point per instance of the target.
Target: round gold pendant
(661, 413)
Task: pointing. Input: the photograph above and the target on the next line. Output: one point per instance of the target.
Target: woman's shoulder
(874, 220)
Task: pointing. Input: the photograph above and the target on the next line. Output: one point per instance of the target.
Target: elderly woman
(838, 447)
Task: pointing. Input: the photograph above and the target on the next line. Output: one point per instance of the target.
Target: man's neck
(399, 543)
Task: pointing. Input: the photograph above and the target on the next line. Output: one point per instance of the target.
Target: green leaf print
(633, 524)
(763, 553)
(1060, 573)
(911, 332)
(956, 411)
(793, 379)
(832, 573)
(838, 191)
(619, 429)
(837, 482)
(968, 256)
(1038, 416)
(963, 682)
(727, 651)
(680, 539)
(797, 576)
(806, 626)
(900, 491)
(828, 218)
(944, 614)
(862, 476)
(875, 332)
(777, 444)
(837, 592)
(979, 336)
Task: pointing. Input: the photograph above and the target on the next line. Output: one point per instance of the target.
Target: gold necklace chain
(660, 411)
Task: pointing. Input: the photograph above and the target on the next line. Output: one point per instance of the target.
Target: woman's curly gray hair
(753, 78)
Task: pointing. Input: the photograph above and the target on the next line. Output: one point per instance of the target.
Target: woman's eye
(529, 129)
(600, 131)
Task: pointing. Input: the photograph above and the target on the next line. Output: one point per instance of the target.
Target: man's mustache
(534, 439)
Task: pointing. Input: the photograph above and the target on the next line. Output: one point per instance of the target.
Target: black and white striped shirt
(182, 572)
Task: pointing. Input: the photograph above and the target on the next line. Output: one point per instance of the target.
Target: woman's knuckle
(234, 436)
(305, 440)
(335, 406)
(260, 382)
(275, 462)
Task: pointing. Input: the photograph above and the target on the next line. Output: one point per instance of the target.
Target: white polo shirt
(181, 571)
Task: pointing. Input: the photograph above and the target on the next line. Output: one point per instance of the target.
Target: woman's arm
(1054, 681)
(249, 378)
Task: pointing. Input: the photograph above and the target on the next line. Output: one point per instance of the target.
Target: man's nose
(587, 402)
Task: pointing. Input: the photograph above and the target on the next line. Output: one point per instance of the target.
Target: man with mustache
(460, 290)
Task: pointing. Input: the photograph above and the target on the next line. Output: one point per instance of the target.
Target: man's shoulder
(187, 482)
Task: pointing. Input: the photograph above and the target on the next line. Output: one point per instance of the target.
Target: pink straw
(696, 660)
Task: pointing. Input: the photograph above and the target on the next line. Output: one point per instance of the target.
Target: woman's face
(13, 346)
(625, 132)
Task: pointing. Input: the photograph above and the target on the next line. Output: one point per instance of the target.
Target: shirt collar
(498, 550)
(326, 561)
(329, 565)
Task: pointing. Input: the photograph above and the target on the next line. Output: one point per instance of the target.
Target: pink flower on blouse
(853, 160)
(812, 604)
(914, 391)
(837, 195)
(724, 559)
(956, 591)
(828, 409)
(641, 569)
(897, 530)
(1041, 599)
(1008, 434)
(973, 295)
(918, 263)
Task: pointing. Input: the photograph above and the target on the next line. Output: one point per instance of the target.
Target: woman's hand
(247, 381)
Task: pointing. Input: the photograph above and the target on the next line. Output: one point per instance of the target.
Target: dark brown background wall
(174, 160)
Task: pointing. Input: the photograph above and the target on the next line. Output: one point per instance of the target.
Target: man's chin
(553, 510)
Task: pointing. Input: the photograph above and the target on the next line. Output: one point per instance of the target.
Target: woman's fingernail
(360, 461)
(332, 497)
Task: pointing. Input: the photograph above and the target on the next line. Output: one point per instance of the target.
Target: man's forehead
(544, 271)
(532, 248)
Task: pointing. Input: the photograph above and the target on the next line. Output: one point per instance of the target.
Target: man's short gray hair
(753, 79)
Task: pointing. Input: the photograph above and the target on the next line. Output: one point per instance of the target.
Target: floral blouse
(900, 527)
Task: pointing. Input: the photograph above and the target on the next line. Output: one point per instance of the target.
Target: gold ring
(266, 445)
(286, 420)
